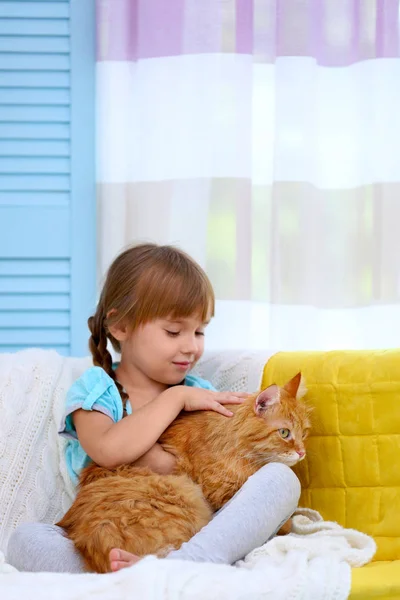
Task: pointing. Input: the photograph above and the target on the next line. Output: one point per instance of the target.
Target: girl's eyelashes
(176, 333)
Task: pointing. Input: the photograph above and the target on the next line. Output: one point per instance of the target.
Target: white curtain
(263, 137)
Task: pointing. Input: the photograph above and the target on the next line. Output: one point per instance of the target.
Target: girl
(154, 309)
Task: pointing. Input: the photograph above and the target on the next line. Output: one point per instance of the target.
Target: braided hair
(98, 348)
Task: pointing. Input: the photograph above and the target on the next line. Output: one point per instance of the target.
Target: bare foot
(120, 559)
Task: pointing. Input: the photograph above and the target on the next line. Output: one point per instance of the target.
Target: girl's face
(165, 350)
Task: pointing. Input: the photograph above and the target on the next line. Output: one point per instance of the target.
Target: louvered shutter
(47, 187)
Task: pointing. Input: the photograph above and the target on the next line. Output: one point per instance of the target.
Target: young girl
(154, 309)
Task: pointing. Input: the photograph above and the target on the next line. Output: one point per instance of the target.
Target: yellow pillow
(352, 470)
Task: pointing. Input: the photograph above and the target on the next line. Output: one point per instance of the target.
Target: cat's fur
(145, 513)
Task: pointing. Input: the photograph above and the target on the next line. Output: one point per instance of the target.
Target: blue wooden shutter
(47, 181)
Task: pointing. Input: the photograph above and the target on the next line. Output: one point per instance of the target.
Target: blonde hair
(144, 283)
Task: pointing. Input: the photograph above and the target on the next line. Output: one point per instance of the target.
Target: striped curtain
(262, 136)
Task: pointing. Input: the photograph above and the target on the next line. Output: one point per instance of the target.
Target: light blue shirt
(95, 390)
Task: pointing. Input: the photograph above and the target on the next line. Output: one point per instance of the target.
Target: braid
(98, 348)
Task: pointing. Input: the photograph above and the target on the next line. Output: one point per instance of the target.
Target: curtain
(263, 137)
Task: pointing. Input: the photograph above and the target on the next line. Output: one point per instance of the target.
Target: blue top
(95, 390)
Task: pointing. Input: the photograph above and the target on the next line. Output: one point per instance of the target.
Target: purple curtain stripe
(244, 26)
(334, 33)
(133, 29)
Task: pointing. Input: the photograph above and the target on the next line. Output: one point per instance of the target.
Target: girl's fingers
(217, 407)
(230, 398)
(233, 400)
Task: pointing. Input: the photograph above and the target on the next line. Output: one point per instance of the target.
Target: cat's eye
(285, 433)
(306, 433)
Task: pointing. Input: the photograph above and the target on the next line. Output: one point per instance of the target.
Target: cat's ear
(296, 387)
(268, 397)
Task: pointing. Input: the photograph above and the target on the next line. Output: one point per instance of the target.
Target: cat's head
(281, 422)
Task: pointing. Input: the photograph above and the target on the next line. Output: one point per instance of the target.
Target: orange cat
(146, 513)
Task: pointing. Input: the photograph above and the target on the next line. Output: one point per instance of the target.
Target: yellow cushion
(379, 580)
(352, 471)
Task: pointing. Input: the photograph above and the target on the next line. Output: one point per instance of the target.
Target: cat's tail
(94, 545)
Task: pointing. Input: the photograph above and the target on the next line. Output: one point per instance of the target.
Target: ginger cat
(146, 513)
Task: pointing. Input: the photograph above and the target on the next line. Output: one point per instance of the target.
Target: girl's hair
(144, 283)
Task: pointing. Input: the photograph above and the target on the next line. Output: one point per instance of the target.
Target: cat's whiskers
(258, 459)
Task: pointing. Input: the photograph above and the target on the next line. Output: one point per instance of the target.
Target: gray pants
(248, 520)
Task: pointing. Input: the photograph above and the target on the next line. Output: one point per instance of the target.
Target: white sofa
(34, 486)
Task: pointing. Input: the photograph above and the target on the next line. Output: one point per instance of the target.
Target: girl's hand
(201, 399)
(158, 460)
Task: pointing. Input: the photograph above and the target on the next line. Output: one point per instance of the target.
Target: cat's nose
(301, 453)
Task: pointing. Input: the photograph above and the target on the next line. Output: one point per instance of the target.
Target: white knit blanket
(313, 562)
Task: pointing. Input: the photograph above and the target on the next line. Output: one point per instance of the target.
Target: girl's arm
(158, 460)
(111, 444)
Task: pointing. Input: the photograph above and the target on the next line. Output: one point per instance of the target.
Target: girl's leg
(254, 515)
(40, 547)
